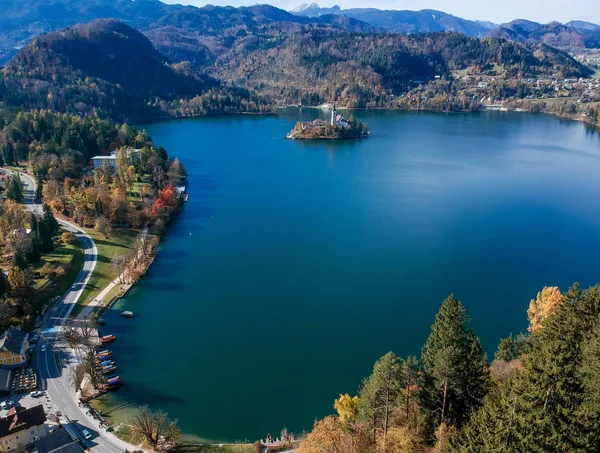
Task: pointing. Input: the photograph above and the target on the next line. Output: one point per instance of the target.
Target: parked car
(86, 434)
(36, 393)
(4, 405)
(11, 403)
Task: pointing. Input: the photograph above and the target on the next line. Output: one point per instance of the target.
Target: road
(57, 381)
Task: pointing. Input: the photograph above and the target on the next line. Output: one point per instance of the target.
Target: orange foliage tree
(546, 303)
(166, 201)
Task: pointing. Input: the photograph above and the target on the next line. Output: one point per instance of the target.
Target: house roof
(58, 442)
(14, 340)
(104, 158)
(20, 418)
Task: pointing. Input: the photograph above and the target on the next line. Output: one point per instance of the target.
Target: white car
(4, 405)
(86, 434)
(36, 393)
(74, 287)
(43, 348)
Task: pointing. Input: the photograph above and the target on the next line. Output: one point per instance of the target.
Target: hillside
(21, 21)
(365, 70)
(201, 35)
(424, 21)
(123, 79)
(553, 34)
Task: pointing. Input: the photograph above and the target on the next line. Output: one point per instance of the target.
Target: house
(59, 441)
(101, 161)
(111, 161)
(13, 348)
(21, 427)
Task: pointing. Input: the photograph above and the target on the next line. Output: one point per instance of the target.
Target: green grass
(596, 75)
(120, 241)
(71, 254)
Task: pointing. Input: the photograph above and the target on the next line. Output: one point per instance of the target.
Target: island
(337, 129)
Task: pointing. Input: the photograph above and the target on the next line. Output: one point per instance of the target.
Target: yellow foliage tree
(398, 440)
(546, 303)
(346, 407)
(327, 436)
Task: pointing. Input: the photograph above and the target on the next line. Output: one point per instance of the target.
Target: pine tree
(50, 222)
(379, 393)
(456, 372)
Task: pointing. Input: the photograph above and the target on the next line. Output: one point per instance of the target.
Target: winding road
(55, 378)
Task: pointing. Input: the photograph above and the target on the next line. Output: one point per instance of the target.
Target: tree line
(541, 393)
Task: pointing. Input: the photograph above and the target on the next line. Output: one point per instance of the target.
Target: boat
(106, 351)
(104, 356)
(107, 363)
(127, 314)
(114, 381)
(108, 338)
(110, 369)
(101, 321)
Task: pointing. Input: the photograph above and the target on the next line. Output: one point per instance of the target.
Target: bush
(67, 237)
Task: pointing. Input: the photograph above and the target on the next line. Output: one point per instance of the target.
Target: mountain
(364, 70)
(104, 66)
(202, 35)
(553, 34)
(21, 21)
(314, 10)
(405, 22)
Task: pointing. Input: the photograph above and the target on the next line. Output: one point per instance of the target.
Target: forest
(541, 393)
(140, 191)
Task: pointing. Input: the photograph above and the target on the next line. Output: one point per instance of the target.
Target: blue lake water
(321, 257)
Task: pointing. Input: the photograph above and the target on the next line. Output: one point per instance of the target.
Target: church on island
(338, 128)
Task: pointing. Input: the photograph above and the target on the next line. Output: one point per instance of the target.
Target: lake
(295, 266)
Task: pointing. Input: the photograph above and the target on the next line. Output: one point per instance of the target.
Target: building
(22, 427)
(111, 161)
(101, 161)
(338, 120)
(13, 348)
(60, 441)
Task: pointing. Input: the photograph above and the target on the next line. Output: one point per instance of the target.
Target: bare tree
(119, 264)
(155, 427)
(77, 376)
(71, 335)
(93, 370)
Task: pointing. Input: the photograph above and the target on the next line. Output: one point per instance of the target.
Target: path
(54, 379)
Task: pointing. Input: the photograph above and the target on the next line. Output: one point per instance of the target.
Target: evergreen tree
(379, 394)
(36, 241)
(50, 222)
(456, 372)
(511, 347)
(3, 285)
(14, 188)
(38, 189)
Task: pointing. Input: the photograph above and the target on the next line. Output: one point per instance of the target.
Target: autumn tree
(166, 202)
(545, 304)
(102, 226)
(21, 288)
(456, 373)
(155, 427)
(327, 436)
(346, 407)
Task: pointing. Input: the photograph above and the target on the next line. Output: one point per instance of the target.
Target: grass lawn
(596, 75)
(120, 241)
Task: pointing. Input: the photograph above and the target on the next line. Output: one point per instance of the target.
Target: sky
(497, 11)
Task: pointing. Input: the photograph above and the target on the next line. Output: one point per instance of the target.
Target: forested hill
(553, 34)
(364, 70)
(104, 65)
